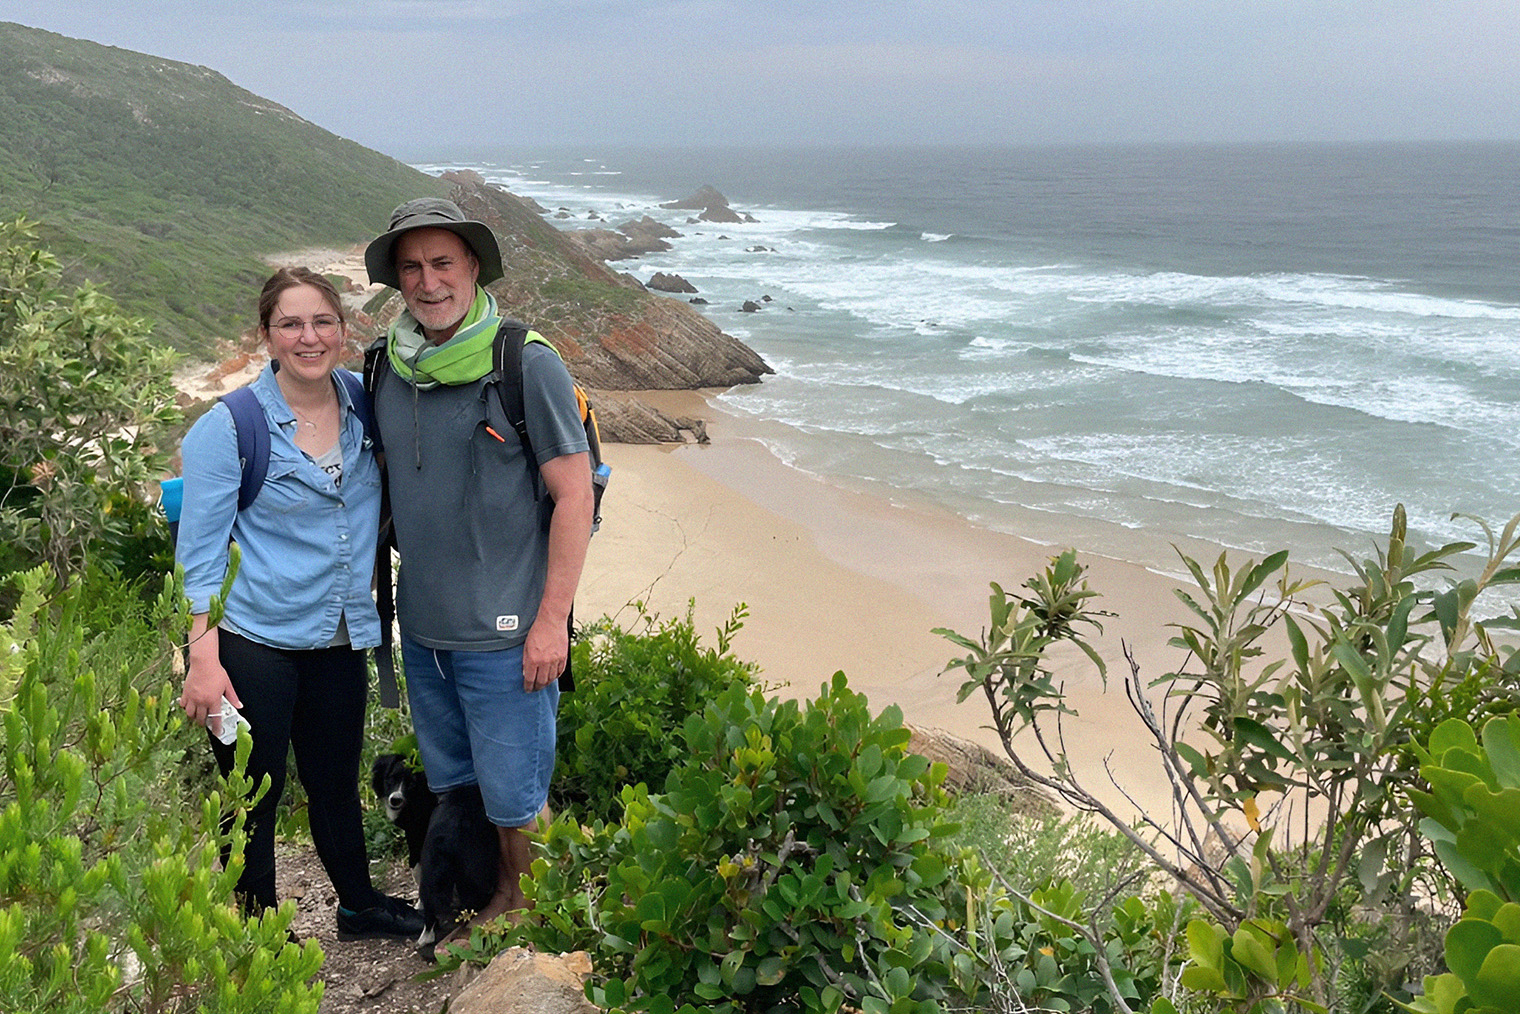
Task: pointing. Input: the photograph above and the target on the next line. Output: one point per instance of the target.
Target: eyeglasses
(324, 325)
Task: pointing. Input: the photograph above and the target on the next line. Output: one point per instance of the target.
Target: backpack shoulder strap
(372, 355)
(506, 365)
(385, 600)
(360, 398)
(252, 442)
(507, 378)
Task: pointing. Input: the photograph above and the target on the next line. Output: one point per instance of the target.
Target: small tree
(1330, 724)
(84, 399)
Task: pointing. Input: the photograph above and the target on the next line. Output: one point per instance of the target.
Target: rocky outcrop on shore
(632, 239)
(662, 282)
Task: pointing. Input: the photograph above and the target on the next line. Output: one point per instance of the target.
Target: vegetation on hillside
(166, 184)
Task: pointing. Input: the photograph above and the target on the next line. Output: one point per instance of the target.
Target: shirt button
(344, 536)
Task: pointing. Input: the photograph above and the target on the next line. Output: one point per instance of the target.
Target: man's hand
(544, 654)
(547, 650)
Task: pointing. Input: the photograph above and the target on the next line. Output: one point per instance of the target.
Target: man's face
(437, 270)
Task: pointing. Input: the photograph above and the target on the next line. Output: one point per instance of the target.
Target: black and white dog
(451, 846)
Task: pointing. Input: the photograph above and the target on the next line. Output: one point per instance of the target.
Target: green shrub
(633, 690)
(112, 895)
(796, 860)
(1053, 951)
(84, 399)
(1039, 852)
(1261, 737)
(1043, 939)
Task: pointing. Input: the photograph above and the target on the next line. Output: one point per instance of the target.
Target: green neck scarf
(463, 359)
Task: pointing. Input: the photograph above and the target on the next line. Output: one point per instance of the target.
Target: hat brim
(380, 255)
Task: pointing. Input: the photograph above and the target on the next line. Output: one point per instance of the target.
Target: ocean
(1119, 348)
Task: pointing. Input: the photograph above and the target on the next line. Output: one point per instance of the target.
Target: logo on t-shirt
(506, 623)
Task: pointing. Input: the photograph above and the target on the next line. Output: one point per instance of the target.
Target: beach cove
(836, 579)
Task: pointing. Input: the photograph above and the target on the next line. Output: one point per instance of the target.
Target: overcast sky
(403, 75)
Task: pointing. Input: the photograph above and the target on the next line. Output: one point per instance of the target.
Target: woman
(289, 651)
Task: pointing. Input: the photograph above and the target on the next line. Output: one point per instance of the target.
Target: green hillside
(164, 183)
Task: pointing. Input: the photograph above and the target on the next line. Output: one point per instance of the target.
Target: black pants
(312, 701)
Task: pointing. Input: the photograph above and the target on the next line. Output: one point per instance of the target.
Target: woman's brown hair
(289, 278)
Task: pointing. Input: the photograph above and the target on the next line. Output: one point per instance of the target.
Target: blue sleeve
(553, 415)
(212, 475)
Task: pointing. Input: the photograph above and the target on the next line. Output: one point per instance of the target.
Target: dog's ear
(382, 770)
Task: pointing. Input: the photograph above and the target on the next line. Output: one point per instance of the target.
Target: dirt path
(362, 976)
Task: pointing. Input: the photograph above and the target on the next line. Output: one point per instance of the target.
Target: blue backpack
(253, 446)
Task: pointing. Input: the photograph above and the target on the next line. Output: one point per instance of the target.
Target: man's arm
(568, 480)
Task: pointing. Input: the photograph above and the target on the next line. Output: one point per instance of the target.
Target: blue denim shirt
(308, 546)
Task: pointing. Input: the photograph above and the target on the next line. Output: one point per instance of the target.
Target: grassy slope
(164, 183)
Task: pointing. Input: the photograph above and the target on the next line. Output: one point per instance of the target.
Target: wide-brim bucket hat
(432, 213)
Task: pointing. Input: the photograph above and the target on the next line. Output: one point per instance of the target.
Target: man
(485, 588)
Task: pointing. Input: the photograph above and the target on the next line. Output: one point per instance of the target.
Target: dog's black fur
(407, 800)
(451, 845)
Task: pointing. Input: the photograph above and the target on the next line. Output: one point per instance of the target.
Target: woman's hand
(206, 682)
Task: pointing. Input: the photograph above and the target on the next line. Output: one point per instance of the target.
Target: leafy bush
(112, 895)
(1328, 726)
(1042, 851)
(1043, 944)
(633, 689)
(796, 860)
(1471, 815)
(84, 396)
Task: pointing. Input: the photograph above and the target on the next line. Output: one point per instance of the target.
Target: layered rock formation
(662, 282)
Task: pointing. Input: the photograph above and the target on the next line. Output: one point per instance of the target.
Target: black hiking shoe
(392, 917)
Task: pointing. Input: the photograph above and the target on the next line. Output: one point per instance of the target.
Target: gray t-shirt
(474, 553)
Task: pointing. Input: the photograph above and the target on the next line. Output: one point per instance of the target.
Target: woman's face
(305, 334)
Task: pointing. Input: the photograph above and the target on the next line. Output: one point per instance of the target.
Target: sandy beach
(837, 580)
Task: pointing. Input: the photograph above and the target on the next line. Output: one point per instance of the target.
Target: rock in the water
(707, 196)
(723, 214)
(647, 227)
(712, 205)
(604, 244)
(662, 282)
(750, 306)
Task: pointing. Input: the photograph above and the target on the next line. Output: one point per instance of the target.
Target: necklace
(303, 417)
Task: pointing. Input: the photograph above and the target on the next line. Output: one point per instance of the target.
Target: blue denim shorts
(476, 724)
